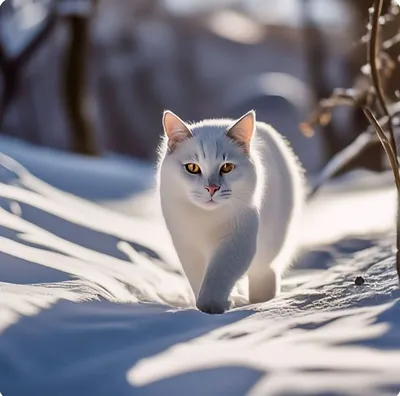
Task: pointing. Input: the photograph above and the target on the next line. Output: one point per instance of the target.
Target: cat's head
(210, 163)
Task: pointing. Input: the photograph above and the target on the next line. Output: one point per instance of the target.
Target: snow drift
(92, 301)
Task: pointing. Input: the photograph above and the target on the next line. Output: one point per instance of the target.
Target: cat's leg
(194, 265)
(275, 252)
(229, 262)
(263, 285)
(265, 273)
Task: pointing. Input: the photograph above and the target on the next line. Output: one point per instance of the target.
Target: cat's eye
(193, 168)
(227, 168)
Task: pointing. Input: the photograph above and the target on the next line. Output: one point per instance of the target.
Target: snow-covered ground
(92, 301)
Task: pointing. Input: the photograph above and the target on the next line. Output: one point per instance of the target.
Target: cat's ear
(175, 129)
(243, 129)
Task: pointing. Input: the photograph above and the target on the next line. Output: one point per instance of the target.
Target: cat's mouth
(211, 203)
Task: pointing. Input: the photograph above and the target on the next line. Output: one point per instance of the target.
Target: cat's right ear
(243, 129)
(175, 129)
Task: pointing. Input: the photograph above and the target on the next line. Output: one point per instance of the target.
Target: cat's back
(284, 193)
(283, 172)
(275, 150)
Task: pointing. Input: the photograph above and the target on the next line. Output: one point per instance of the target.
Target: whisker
(237, 199)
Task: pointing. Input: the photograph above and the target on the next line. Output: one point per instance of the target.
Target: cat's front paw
(213, 307)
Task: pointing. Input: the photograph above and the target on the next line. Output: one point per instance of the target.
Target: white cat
(231, 194)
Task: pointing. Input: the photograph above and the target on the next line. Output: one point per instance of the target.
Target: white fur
(251, 230)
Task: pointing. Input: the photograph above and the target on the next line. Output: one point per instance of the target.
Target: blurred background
(93, 76)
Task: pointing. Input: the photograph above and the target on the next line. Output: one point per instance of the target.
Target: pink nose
(212, 189)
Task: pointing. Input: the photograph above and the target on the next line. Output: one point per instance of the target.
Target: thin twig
(373, 55)
(386, 145)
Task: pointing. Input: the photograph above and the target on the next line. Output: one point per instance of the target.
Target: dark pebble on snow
(359, 281)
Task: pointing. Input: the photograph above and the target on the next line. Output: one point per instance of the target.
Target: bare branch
(364, 97)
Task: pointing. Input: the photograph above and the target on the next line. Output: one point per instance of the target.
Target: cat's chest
(203, 232)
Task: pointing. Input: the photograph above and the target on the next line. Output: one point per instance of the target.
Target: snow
(92, 300)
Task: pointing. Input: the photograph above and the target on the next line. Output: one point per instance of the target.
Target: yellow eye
(193, 168)
(227, 168)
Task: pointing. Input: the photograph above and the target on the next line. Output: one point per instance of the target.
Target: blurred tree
(19, 43)
(78, 15)
(315, 52)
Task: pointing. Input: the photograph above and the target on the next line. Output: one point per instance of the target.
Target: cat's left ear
(175, 129)
(243, 130)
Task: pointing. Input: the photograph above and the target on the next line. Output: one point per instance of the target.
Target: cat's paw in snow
(238, 301)
(212, 306)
